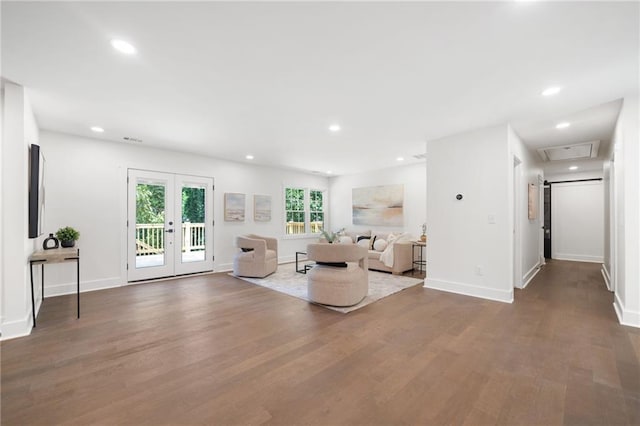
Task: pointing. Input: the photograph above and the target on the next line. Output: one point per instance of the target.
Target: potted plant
(67, 236)
(423, 237)
(330, 237)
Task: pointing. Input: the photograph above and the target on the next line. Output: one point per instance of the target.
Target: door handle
(169, 231)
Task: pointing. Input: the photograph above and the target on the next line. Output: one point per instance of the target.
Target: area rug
(286, 280)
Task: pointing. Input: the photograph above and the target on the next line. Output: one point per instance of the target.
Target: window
(316, 210)
(304, 211)
(294, 208)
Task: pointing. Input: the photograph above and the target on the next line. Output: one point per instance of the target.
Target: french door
(170, 224)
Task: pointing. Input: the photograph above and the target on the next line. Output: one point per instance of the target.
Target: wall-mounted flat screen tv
(36, 191)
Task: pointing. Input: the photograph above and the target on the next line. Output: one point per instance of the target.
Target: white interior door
(170, 225)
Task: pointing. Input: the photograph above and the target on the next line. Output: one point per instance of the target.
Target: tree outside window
(295, 211)
(316, 208)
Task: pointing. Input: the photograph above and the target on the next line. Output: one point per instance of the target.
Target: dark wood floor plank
(217, 350)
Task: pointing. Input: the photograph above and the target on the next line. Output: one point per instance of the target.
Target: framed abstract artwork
(533, 201)
(262, 208)
(378, 205)
(234, 207)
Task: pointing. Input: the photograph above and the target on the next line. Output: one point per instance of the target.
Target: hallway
(217, 350)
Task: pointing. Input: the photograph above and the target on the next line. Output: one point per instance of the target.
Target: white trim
(505, 296)
(579, 258)
(224, 267)
(626, 317)
(169, 278)
(530, 275)
(606, 276)
(19, 328)
(85, 286)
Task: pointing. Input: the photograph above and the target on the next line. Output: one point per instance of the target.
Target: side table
(54, 256)
(305, 266)
(421, 262)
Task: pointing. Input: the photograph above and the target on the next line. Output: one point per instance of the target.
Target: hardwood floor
(217, 350)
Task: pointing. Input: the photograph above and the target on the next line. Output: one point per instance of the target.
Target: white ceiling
(229, 79)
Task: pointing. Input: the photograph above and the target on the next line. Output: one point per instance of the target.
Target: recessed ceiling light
(329, 172)
(334, 128)
(563, 125)
(97, 129)
(123, 46)
(550, 91)
(249, 157)
(573, 168)
(400, 159)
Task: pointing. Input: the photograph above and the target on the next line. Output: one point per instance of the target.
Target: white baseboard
(530, 275)
(70, 288)
(224, 267)
(579, 257)
(18, 328)
(606, 276)
(505, 296)
(626, 317)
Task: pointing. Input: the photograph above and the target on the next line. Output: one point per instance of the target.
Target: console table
(54, 256)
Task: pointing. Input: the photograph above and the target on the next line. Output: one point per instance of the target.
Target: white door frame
(182, 267)
(541, 259)
(517, 209)
(167, 267)
(173, 260)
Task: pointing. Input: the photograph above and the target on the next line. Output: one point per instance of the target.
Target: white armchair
(258, 256)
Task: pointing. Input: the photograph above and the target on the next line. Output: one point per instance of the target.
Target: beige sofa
(402, 252)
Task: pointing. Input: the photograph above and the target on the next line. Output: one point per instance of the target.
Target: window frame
(307, 210)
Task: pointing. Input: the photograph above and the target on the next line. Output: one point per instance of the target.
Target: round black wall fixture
(459, 197)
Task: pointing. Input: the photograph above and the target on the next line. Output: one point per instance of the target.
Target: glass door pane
(193, 235)
(194, 207)
(150, 230)
(150, 220)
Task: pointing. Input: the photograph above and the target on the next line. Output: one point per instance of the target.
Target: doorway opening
(169, 226)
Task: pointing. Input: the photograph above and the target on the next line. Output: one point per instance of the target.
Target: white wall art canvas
(262, 208)
(378, 205)
(234, 207)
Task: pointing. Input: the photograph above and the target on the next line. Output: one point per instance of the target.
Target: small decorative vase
(423, 238)
(67, 244)
(50, 243)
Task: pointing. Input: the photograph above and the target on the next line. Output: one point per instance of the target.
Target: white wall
(607, 255)
(465, 252)
(626, 220)
(529, 231)
(19, 130)
(577, 221)
(86, 186)
(412, 176)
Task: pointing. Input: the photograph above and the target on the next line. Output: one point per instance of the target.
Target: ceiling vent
(570, 152)
(130, 139)
(420, 156)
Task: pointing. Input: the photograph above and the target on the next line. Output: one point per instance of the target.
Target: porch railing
(294, 228)
(150, 238)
